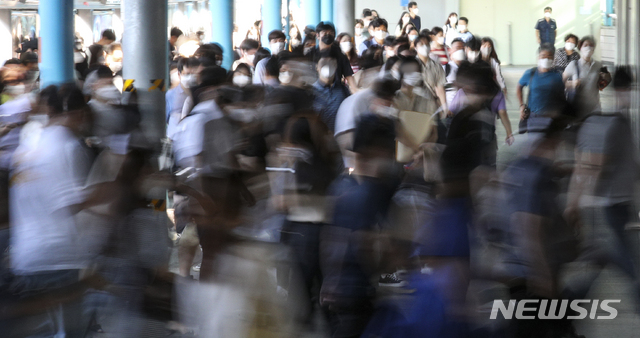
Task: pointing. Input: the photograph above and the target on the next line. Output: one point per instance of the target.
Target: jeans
(44, 304)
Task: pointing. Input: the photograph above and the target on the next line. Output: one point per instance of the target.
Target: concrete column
(326, 10)
(56, 36)
(312, 11)
(344, 15)
(271, 19)
(146, 60)
(222, 28)
(6, 43)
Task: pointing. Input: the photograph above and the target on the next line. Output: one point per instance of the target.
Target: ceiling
(78, 4)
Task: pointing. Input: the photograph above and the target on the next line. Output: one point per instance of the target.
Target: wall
(6, 44)
(492, 18)
(432, 13)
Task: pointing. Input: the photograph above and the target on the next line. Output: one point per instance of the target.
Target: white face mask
(358, 31)
(486, 51)
(218, 63)
(241, 80)
(458, 55)
(405, 20)
(472, 55)
(413, 79)
(277, 47)
(115, 66)
(390, 53)
(441, 40)
(188, 80)
(395, 74)
(545, 63)
(415, 11)
(345, 47)
(586, 51)
(380, 35)
(547, 14)
(327, 72)
(453, 20)
(250, 58)
(295, 43)
(462, 28)
(412, 38)
(285, 77)
(569, 46)
(423, 50)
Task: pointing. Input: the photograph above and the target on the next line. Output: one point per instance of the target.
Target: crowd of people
(326, 183)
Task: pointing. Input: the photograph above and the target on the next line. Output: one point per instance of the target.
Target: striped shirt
(441, 55)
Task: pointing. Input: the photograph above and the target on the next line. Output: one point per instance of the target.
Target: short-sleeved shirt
(562, 59)
(45, 182)
(261, 71)
(416, 22)
(351, 109)
(466, 36)
(546, 90)
(327, 101)
(174, 103)
(588, 94)
(439, 55)
(547, 30)
(366, 44)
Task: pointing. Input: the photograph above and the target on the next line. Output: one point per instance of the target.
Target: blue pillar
(326, 10)
(57, 37)
(312, 10)
(271, 19)
(222, 28)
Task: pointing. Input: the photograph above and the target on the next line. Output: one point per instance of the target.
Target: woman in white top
(586, 77)
(450, 29)
(490, 56)
(405, 19)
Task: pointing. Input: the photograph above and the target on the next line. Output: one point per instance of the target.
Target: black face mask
(328, 39)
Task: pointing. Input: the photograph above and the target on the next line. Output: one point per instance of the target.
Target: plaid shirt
(562, 60)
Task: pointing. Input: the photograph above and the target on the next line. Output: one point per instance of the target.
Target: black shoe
(391, 280)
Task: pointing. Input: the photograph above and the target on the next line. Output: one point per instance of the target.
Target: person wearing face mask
(328, 94)
(176, 96)
(472, 49)
(248, 49)
(326, 34)
(405, 19)
(438, 51)
(367, 17)
(277, 40)
(587, 77)
(450, 29)
(241, 77)
(347, 47)
(463, 28)
(433, 76)
(489, 55)
(46, 241)
(546, 28)
(458, 56)
(413, 97)
(412, 35)
(565, 55)
(295, 37)
(413, 12)
(360, 34)
(546, 91)
(379, 34)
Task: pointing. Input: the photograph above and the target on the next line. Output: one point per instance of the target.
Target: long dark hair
(353, 56)
(450, 14)
(493, 54)
(402, 16)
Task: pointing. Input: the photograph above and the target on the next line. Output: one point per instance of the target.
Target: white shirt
(450, 93)
(45, 182)
(351, 109)
(188, 138)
